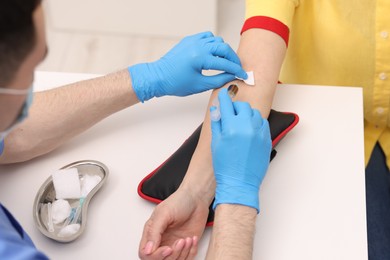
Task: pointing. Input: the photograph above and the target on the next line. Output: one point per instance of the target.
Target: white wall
(175, 18)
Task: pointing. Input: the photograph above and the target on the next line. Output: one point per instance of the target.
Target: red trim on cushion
(210, 224)
(139, 189)
(267, 23)
(288, 129)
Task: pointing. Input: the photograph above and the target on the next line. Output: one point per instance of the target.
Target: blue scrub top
(15, 244)
(1, 146)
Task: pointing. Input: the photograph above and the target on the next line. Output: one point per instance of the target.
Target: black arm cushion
(165, 179)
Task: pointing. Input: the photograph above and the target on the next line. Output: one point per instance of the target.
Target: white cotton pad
(67, 183)
(60, 210)
(250, 80)
(69, 230)
(89, 182)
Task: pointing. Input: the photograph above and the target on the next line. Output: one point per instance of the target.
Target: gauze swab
(250, 80)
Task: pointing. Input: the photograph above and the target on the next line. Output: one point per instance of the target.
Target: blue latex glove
(179, 72)
(241, 146)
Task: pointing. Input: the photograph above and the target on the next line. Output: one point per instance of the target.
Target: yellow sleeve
(281, 10)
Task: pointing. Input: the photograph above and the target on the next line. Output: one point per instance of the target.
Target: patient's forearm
(262, 52)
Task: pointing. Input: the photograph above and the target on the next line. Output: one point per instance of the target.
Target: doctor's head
(22, 48)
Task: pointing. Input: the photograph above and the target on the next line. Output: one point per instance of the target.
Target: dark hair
(17, 35)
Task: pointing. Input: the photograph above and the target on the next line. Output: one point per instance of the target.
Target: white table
(312, 199)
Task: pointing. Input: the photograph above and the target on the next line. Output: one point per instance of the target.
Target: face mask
(23, 112)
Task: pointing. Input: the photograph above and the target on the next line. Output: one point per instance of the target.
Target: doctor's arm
(241, 146)
(59, 114)
(62, 113)
(233, 233)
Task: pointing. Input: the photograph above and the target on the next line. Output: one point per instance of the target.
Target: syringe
(215, 115)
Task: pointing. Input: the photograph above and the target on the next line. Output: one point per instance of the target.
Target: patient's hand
(175, 227)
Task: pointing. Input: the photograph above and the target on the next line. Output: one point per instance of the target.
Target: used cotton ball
(60, 210)
(88, 182)
(69, 230)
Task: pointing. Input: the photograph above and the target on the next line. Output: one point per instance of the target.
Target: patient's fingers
(185, 253)
(151, 236)
(194, 248)
(177, 248)
(161, 253)
(184, 249)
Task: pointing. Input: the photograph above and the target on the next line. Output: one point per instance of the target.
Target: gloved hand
(241, 147)
(179, 72)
